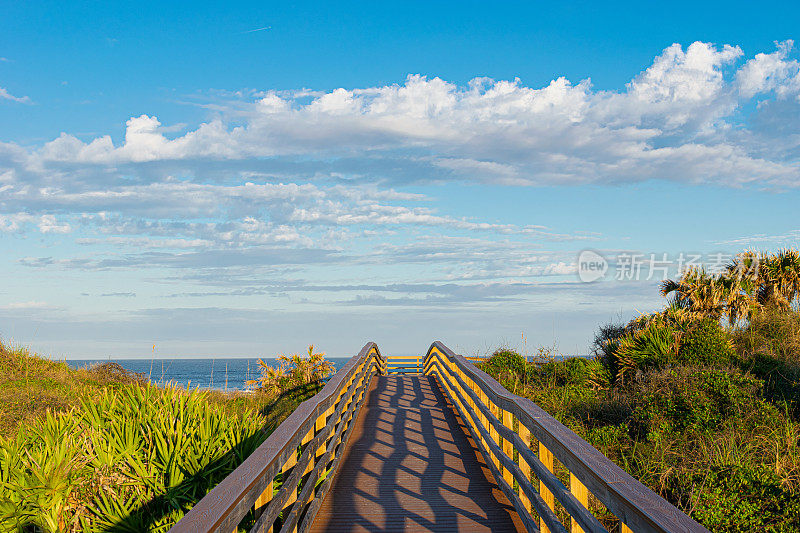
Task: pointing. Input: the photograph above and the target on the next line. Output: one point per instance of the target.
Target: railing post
(524, 434)
(493, 432)
(287, 467)
(546, 457)
(481, 419)
(484, 419)
(469, 399)
(508, 448)
(319, 425)
(311, 460)
(263, 500)
(578, 490)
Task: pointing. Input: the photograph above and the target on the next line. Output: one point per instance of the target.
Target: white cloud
(14, 222)
(5, 95)
(788, 239)
(676, 120)
(283, 182)
(690, 76)
(770, 72)
(49, 224)
(26, 305)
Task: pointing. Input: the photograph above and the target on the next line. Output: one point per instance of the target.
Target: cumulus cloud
(770, 72)
(674, 120)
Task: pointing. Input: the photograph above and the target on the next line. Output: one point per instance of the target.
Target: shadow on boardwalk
(410, 466)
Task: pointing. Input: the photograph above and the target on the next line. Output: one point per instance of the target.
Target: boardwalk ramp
(427, 443)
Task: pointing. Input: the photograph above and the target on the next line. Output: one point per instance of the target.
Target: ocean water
(220, 374)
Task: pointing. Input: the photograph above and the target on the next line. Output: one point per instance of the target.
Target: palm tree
(780, 276)
(699, 293)
(743, 288)
(745, 272)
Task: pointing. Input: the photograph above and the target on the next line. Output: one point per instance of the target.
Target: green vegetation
(100, 449)
(293, 371)
(700, 402)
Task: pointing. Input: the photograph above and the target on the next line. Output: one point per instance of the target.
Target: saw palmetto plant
(135, 459)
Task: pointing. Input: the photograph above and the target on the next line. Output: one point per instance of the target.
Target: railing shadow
(411, 466)
(287, 401)
(177, 500)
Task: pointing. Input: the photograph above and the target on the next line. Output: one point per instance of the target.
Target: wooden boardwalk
(387, 445)
(410, 465)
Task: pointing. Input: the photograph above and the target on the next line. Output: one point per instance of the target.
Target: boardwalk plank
(410, 466)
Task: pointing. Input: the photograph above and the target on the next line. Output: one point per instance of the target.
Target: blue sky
(243, 181)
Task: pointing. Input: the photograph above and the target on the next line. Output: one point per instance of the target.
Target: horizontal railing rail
(404, 364)
(285, 480)
(508, 428)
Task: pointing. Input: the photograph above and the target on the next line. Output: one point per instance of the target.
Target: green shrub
(706, 342)
(736, 498)
(609, 436)
(769, 347)
(604, 348)
(654, 345)
(505, 360)
(699, 400)
(570, 371)
(656, 341)
(293, 372)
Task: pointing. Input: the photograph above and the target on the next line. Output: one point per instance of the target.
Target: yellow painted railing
(286, 478)
(530, 453)
(404, 364)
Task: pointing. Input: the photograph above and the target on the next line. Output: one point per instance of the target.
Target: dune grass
(101, 449)
(31, 385)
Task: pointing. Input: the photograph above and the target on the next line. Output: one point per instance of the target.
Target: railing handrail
(226, 505)
(638, 507)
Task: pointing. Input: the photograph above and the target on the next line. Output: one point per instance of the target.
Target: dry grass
(31, 385)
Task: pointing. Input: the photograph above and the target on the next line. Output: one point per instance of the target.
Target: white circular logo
(591, 266)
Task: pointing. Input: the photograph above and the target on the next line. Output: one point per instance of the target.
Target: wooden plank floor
(410, 466)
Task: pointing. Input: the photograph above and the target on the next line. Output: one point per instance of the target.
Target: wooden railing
(404, 364)
(530, 452)
(553, 478)
(285, 479)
